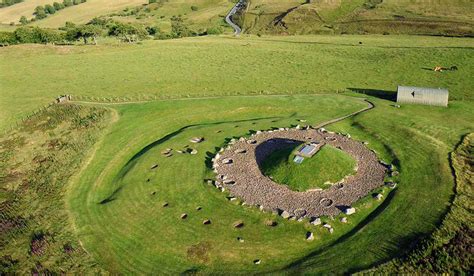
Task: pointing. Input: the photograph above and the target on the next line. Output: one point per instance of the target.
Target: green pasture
(117, 200)
(32, 75)
(325, 168)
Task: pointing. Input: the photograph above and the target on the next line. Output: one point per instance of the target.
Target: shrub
(67, 3)
(6, 3)
(194, 8)
(153, 30)
(58, 6)
(23, 20)
(37, 35)
(179, 28)
(49, 9)
(214, 30)
(7, 38)
(40, 12)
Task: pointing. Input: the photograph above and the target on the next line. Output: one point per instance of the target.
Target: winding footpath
(233, 11)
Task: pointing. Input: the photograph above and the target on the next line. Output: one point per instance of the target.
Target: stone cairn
(237, 169)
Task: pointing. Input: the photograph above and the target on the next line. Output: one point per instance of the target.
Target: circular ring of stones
(237, 168)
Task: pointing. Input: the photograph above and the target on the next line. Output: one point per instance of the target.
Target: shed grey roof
(424, 90)
(423, 95)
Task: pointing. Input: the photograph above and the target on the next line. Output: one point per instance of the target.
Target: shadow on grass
(381, 94)
(131, 163)
(305, 262)
(111, 197)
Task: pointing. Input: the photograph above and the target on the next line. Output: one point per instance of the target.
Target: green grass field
(126, 232)
(195, 67)
(327, 167)
(93, 186)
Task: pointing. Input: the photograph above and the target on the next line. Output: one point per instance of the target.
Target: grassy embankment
(207, 66)
(448, 250)
(36, 164)
(327, 167)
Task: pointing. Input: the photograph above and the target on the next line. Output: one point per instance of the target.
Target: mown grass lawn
(131, 231)
(325, 168)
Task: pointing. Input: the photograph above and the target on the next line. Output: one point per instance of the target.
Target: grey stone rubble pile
(244, 179)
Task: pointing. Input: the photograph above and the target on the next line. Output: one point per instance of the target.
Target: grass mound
(328, 166)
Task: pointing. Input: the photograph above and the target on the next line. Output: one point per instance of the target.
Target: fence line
(150, 98)
(16, 123)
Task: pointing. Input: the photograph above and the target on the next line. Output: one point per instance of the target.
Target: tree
(76, 2)
(84, 32)
(23, 20)
(179, 28)
(128, 32)
(67, 3)
(49, 9)
(58, 6)
(40, 13)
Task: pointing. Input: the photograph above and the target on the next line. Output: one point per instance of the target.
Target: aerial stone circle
(238, 170)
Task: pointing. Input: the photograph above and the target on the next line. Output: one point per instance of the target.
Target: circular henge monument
(238, 170)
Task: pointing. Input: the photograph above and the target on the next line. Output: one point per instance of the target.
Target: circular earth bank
(238, 170)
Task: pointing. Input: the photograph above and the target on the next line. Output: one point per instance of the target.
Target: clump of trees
(128, 32)
(97, 27)
(6, 3)
(32, 35)
(42, 12)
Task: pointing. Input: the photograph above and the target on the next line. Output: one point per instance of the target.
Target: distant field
(230, 66)
(78, 14)
(86, 11)
(25, 8)
(453, 17)
(206, 13)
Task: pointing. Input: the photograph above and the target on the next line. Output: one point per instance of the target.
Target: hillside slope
(78, 14)
(451, 17)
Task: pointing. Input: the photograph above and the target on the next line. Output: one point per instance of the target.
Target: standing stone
(309, 236)
(316, 221)
(285, 214)
(349, 211)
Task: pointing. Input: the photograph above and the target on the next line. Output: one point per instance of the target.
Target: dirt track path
(369, 107)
